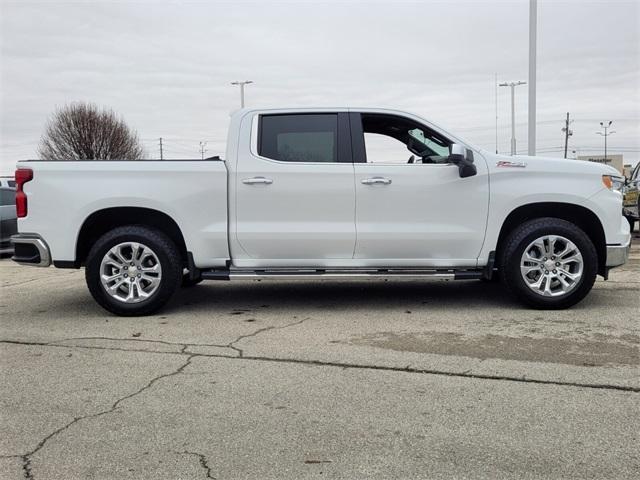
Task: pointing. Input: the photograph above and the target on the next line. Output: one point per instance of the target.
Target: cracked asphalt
(364, 379)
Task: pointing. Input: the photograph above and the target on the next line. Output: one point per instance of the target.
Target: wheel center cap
(549, 265)
(133, 271)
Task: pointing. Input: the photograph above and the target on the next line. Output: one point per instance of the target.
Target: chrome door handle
(376, 181)
(257, 181)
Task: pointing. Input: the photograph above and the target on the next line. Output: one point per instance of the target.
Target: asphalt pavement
(342, 379)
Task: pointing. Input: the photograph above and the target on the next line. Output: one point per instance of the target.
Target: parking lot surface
(334, 379)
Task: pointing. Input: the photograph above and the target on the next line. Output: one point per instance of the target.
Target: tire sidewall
(513, 277)
(163, 248)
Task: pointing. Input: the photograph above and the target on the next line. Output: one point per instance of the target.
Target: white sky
(166, 67)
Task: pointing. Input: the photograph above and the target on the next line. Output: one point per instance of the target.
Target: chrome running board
(316, 274)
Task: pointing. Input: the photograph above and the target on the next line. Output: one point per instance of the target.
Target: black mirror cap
(467, 169)
(456, 158)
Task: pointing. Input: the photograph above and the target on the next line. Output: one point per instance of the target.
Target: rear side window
(299, 138)
(7, 197)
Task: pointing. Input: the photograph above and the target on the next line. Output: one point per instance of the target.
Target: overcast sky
(166, 67)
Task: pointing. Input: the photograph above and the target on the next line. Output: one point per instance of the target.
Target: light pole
(513, 86)
(242, 84)
(605, 135)
(533, 27)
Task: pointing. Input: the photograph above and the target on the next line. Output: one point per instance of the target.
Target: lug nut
(555, 271)
(139, 275)
(125, 275)
(557, 264)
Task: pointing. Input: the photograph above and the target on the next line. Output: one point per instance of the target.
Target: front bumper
(30, 249)
(618, 254)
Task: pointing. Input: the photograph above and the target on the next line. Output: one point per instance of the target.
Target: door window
(391, 139)
(299, 138)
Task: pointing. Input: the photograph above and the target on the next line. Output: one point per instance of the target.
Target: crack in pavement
(345, 366)
(202, 460)
(140, 339)
(259, 331)
(26, 458)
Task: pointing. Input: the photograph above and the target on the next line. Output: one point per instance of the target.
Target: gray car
(8, 219)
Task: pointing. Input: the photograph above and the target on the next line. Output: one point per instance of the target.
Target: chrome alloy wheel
(551, 266)
(130, 272)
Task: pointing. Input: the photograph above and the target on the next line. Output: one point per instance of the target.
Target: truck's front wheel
(549, 263)
(133, 270)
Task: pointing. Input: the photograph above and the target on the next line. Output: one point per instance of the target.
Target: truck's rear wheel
(549, 263)
(133, 270)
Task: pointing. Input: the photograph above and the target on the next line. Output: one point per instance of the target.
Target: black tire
(517, 242)
(167, 254)
(632, 223)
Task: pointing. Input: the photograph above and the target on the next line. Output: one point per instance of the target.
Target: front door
(412, 207)
(295, 195)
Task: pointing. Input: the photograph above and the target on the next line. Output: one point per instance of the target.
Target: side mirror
(459, 156)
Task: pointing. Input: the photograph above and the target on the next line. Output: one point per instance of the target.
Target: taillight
(23, 175)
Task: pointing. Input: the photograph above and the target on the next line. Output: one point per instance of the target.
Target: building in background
(614, 161)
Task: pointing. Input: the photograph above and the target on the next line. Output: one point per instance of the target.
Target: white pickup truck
(310, 193)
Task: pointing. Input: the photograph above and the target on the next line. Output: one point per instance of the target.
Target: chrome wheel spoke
(527, 269)
(110, 278)
(130, 272)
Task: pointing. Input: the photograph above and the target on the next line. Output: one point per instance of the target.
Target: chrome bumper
(30, 249)
(617, 254)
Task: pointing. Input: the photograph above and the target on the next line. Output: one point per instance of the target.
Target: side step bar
(303, 274)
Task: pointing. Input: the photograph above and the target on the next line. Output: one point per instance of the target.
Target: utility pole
(567, 133)
(533, 26)
(605, 135)
(161, 157)
(242, 84)
(513, 86)
(202, 149)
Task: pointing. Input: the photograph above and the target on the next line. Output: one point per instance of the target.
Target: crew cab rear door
(294, 192)
(413, 209)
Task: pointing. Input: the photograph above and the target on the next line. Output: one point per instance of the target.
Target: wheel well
(102, 221)
(584, 218)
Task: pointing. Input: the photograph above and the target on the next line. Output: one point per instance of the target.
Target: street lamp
(605, 135)
(513, 86)
(242, 84)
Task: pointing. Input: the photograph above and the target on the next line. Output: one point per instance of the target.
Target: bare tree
(81, 131)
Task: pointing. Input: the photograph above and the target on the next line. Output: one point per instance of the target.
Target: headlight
(613, 182)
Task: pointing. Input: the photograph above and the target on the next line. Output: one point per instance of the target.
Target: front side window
(396, 140)
(299, 138)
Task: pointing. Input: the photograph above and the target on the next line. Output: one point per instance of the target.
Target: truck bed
(192, 192)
